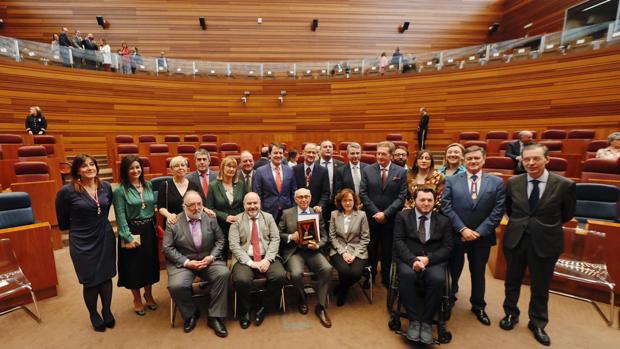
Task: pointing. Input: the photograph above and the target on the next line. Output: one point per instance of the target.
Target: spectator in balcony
(106, 54)
(125, 58)
(55, 41)
(162, 62)
(383, 63)
(35, 122)
(78, 51)
(423, 129)
(136, 60)
(611, 152)
(396, 56)
(65, 43)
(453, 160)
(90, 55)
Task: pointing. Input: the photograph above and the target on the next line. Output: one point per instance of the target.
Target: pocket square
(395, 178)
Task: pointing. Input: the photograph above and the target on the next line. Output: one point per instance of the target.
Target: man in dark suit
(202, 176)
(246, 170)
(423, 128)
(350, 176)
(474, 202)
(537, 204)
(514, 148)
(193, 247)
(313, 177)
(275, 183)
(383, 191)
(264, 158)
(64, 42)
(332, 165)
(422, 244)
(296, 255)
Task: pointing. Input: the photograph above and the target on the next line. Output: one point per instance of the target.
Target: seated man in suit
(274, 183)
(202, 176)
(350, 175)
(423, 242)
(193, 247)
(311, 176)
(254, 241)
(297, 255)
(515, 148)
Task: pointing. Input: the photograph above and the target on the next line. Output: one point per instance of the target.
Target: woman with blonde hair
(226, 195)
(171, 191)
(453, 160)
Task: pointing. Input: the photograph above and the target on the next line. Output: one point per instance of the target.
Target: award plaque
(308, 228)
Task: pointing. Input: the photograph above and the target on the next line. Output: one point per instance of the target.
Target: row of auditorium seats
(12, 144)
(546, 134)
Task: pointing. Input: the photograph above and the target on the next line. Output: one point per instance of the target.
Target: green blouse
(128, 206)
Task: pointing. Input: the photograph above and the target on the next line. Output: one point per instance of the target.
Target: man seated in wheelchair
(423, 241)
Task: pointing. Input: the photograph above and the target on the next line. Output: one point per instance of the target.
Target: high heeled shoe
(150, 306)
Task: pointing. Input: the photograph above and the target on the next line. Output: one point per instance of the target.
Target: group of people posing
(369, 217)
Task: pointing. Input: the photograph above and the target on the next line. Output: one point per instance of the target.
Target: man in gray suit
(202, 176)
(538, 203)
(296, 255)
(383, 191)
(474, 202)
(254, 241)
(193, 247)
(350, 175)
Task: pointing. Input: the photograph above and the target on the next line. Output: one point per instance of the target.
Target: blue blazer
(388, 199)
(483, 214)
(264, 185)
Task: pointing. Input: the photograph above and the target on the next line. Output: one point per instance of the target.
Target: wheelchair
(397, 312)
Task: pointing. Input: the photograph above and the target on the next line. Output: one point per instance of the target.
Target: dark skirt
(139, 267)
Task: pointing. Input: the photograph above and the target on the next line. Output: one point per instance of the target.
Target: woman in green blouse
(138, 260)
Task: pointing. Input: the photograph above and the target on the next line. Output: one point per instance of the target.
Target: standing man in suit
(246, 170)
(254, 241)
(537, 204)
(275, 184)
(332, 165)
(202, 176)
(423, 240)
(313, 177)
(383, 191)
(295, 255)
(350, 176)
(474, 202)
(193, 247)
(264, 158)
(423, 128)
(514, 149)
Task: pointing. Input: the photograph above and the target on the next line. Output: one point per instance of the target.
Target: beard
(400, 163)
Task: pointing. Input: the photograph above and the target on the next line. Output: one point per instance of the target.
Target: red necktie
(255, 242)
(205, 184)
(278, 179)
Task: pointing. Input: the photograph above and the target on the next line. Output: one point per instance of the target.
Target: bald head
(251, 204)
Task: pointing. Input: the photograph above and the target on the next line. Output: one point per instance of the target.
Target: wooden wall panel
(348, 29)
(581, 90)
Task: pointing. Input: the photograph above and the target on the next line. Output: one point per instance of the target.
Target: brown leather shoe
(320, 311)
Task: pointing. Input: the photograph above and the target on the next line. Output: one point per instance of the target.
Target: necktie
(255, 242)
(247, 185)
(534, 195)
(474, 187)
(205, 183)
(329, 172)
(196, 233)
(278, 179)
(308, 176)
(422, 229)
(383, 176)
(356, 178)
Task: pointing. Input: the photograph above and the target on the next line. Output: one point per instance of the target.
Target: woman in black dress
(170, 197)
(138, 260)
(35, 122)
(82, 207)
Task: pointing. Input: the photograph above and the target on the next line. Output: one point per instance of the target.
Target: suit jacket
(179, 245)
(241, 177)
(261, 162)
(355, 240)
(195, 178)
(388, 199)
(288, 225)
(218, 202)
(344, 178)
(337, 165)
(265, 186)
(240, 237)
(513, 149)
(544, 222)
(319, 184)
(483, 214)
(407, 244)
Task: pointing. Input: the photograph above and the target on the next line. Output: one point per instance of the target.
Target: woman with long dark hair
(423, 173)
(82, 207)
(138, 259)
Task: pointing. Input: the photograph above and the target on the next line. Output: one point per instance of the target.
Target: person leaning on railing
(35, 122)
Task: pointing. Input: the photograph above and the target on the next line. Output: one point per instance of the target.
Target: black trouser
(541, 270)
(432, 279)
(348, 274)
(380, 247)
(242, 277)
(477, 256)
(422, 133)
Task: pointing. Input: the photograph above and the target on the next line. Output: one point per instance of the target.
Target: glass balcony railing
(592, 36)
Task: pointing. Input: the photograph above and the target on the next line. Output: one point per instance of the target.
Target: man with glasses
(400, 157)
(193, 247)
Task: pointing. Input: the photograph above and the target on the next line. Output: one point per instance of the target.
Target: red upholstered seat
(469, 136)
(6, 138)
(215, 161)
(369, 148)
(209, 138)
(497, 135)
(186, 149)
(123, 139)
(600, 169)
(210, 147)
(581, 134)
(146, 164)
(32, 171)
(339, 157)
(501, 164)
(126, 149)
(482, 144)
(401, 144)
(31, 151)
(368, 158)
(300, 159)
(393, 137)
(172, 138)
(229, 149)
(515, 134)
(47, 141)
(191, 138)
(555, 146)
(554, 134)
(147, 139)
(158, 148)
(557, 165)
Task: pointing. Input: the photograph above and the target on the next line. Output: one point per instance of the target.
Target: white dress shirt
(541, 186)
